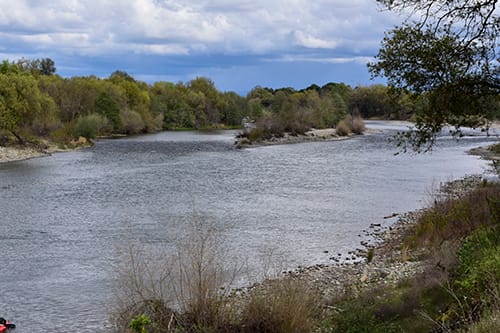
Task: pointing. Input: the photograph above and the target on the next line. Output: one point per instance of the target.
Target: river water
(64, 216)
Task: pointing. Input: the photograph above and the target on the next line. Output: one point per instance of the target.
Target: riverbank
(313, 135)
(17, 153)
(406, 273)
(389, 285)
(14, 153)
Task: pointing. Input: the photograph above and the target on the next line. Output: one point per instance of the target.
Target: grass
(190, 291)
(458, 291)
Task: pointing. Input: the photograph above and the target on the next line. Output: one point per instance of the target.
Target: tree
(19, 102)
(449, 55)
(45, 66)
(107, 107)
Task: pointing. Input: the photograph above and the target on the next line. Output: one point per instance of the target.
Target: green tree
(20, 102)
(45, 66)
(371, 101)
(450, 54)
(233, 108)
(208, 111)
(107, 107)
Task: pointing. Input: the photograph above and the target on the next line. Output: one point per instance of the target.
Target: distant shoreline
(314, 135)
(16, 153)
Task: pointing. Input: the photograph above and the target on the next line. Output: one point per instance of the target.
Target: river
(63, 217)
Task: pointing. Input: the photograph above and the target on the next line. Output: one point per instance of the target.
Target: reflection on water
(63, 216)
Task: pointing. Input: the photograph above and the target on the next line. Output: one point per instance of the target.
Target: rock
(82, 140)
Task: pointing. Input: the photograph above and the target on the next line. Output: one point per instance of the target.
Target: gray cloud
(182, 27)
(185, 38)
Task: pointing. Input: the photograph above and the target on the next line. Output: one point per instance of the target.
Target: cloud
(192, 34)
(169, 26)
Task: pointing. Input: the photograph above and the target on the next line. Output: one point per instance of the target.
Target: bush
(478, 270)
(63, 134)
(131, 122)
(343, 128)
(452, 218)
(91, 126)
(180, 292)
(350, 125)
(285, 305)
(357, 125)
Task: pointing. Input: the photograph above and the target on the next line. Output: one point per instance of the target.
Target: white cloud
(309, 41)
(190, 26)
(322, 59)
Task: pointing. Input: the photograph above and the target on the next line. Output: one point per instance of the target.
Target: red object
(4, 328)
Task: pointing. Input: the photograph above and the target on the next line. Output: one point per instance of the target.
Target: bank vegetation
(449, 251)
(37, 106)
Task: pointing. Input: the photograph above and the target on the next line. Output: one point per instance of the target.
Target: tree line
(35, 102)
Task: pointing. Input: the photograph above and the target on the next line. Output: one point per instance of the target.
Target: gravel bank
(10, 154)
(390, 262)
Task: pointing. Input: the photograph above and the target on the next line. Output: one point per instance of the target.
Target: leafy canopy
(447, 55)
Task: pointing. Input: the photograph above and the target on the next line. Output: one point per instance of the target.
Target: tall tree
(19, 102)
(448, 51)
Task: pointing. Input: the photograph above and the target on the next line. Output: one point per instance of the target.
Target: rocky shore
(382, 264)
(16, 153)
(314, 135)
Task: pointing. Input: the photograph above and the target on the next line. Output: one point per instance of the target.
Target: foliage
(285, 305)
(139, 323)
(34, 101)
(452, 219)
(462, 296)
(92, 125)
(449, 54)
(479, 264)
(44, 66)
(106, 106)
(20, 102)
(131, 122)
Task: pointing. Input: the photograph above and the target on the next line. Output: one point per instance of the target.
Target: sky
(239, 44)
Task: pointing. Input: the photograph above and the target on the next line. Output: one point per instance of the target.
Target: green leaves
(449, 56)
(20, 101)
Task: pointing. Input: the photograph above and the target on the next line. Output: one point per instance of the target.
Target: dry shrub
(357, 125)
(343, 128)
(180, 292)
(350, 125)
(286, 305)
(203, 278)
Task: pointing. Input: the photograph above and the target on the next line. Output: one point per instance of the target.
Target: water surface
(62, 217)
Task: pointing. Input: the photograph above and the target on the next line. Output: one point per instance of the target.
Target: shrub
(343, 128)
(64, 133)
(131, 121)
(479, 264)
(357, 125)
(453, 218)
(92, 125)
(184, 291)
(349, 125)
(285, 305)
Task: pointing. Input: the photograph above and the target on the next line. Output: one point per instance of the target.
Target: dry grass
(452, 219)
(176, 292)
(350, 125)
(286, 305)
(357, 125)
(190, 291)
(343, 128)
